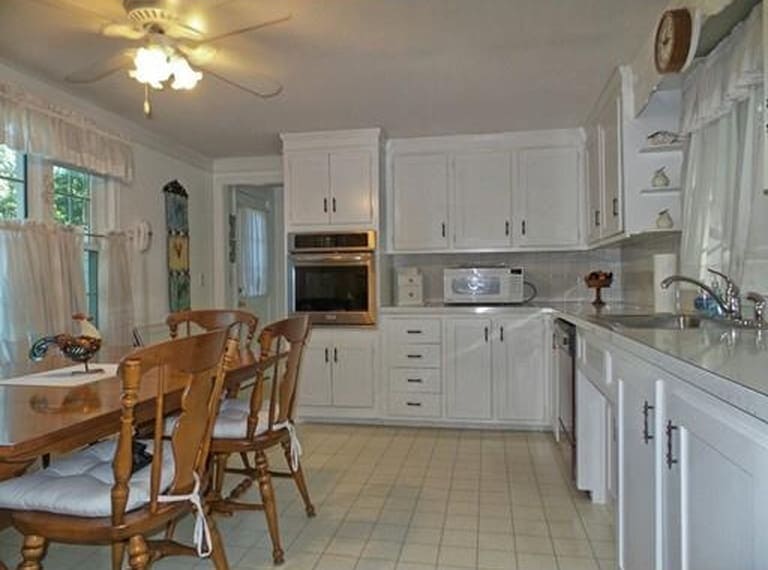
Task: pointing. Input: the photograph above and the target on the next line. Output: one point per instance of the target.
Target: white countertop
(731, 364)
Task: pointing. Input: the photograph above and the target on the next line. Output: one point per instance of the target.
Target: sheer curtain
(116, 311)
(253, 252)
(42, 282)
(723, 114)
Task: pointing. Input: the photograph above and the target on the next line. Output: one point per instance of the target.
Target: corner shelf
(661, 148)
(661, 191)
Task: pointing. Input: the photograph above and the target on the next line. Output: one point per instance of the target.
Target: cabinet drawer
(409, 295)
(409, 404)
(415, 380)
(409, 280)
(403, 331)
(416, 356)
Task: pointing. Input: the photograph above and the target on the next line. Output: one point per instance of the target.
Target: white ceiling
(413, 67)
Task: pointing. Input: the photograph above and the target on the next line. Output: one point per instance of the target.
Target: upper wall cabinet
(504, 192)
(332, 179)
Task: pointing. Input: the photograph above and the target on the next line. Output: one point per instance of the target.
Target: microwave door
(476, 286)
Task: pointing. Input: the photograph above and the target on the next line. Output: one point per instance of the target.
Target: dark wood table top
(35, 420)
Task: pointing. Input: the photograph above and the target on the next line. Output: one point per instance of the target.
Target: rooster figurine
(77, 348)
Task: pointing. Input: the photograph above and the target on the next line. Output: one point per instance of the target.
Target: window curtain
(253, 252)
(30, 124)
(723, 115)
(116, 318)
(42, 282)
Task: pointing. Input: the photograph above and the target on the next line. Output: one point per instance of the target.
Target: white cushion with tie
(80, 484)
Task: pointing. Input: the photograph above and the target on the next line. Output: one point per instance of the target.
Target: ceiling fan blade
(179, 30)
(197, 54)
(123, 31)
(247, 29)
(101, 69)
(256, 84)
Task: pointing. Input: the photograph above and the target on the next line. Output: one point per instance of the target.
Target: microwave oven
(483, 285)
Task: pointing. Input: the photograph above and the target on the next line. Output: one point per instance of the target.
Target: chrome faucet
(724, 305)
(759, 302)
(732, 296)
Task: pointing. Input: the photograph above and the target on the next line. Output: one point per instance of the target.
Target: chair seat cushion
(232, 422)
(80, 484)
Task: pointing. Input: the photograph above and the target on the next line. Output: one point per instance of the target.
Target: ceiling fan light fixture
(152, 66)
(184, 77)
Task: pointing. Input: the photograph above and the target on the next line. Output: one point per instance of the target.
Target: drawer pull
(647, 436)
(413, 404)
(415, 380)
(414, 356)
(671, 428)
(414, 331)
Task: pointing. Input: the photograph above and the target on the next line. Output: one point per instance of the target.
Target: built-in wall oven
(332, 277)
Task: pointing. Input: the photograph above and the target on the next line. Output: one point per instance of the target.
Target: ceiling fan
(172, 51)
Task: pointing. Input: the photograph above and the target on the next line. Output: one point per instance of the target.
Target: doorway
(256, 256)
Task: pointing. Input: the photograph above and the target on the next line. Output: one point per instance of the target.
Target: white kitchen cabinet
(420, 201)
(639, 445)
(609, 125)
(331, 179)
(338, 370)
(594, 185)
(468, 370)
(548, 197)
(519, 365)
(715, 485)
(482, 198)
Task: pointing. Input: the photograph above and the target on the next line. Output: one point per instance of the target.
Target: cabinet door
(715, 485)
(594, 185)
(468, 370)
(610, 143)
(353, 374)
(482, 200)
(520, 380)
(548, 197)
(638, 445)
(352, 185)
(420, 199)
(307, 184)
(315, 376)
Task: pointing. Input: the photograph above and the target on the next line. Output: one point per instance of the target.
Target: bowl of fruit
(598, 280)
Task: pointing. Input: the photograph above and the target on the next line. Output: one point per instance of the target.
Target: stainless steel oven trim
(369, 247)
(350, 259)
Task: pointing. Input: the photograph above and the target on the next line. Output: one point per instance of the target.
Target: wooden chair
(92, 496)
(243, 427)
(212, 319)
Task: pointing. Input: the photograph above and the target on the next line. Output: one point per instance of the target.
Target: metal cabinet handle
(414, 355)
(414, 380)
(414, 331)
(647, 436)
(615, 207)
(325, 205)
(671, 428)
(597, 218)
(335, 354)
(333, 203)
(501, 334)
(523, 227)
(413, 404)
(442, 229)
(506, 228)
(485, 332)
(326, 356)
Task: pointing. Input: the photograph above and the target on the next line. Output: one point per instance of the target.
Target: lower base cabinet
(338, 369)
(468, 369)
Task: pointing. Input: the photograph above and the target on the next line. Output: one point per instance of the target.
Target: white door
(548, 197)
(353, 373)
(482, 200)
(610, 142)
(420, 208)
(520, 374)
(638, 446)
(594, 185)
(468, 370)
(351, 187)
(315, 375)
(307, 183)
(715, 473)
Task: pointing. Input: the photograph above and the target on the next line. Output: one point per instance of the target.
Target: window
(253, 252)
(13, 183)
(72, 205)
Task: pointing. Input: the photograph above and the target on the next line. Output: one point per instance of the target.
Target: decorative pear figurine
(660, 178)
(664, 220)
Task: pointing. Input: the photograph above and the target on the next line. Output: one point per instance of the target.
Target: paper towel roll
(664, 265)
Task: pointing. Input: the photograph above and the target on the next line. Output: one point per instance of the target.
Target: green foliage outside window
(12, 183)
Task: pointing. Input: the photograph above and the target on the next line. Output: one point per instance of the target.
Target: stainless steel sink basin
(654, 321)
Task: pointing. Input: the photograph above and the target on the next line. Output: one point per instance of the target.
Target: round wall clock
(674, 40)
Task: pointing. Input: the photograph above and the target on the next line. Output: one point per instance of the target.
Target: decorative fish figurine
(80, 348)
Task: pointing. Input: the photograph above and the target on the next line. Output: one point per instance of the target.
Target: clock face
(673, 40)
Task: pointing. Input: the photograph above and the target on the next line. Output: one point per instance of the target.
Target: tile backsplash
(637, 266)
(558, 276)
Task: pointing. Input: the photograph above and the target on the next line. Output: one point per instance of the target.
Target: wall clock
(674, 45)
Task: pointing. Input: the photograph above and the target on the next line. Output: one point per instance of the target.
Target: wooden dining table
(39, 420)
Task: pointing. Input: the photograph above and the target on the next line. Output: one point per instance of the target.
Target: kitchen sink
(655, 321)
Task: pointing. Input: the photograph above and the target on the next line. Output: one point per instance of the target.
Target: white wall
(157, 161)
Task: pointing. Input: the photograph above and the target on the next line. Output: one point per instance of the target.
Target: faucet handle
(731, 288)
(759, 302)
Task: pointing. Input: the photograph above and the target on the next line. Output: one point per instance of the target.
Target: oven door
(334, 288)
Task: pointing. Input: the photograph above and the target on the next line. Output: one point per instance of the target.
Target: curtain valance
(30, 124)
(724, 78)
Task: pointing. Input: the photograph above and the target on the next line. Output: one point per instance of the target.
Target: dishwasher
(564, 345)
